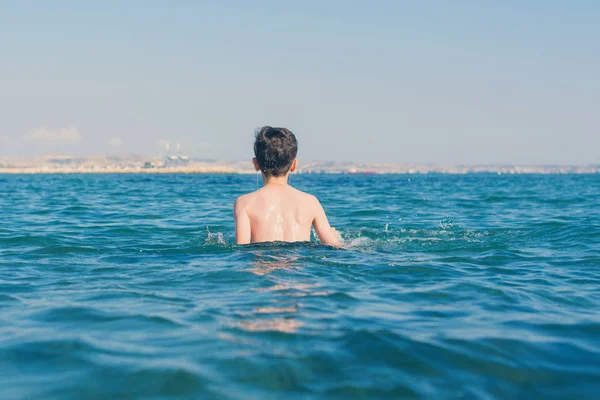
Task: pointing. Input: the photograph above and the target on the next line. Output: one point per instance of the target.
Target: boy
(277, 211)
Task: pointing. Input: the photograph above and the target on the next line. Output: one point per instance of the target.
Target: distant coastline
(55, 164)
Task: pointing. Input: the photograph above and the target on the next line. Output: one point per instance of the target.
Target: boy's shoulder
(242, 203)
(245, 198)
(305, 196)
(306, 200)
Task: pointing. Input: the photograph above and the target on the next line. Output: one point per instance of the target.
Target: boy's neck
(275, 180)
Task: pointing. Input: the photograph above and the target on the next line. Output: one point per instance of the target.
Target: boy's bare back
(278, 212)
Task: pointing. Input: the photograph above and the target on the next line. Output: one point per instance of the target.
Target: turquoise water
(130, 286)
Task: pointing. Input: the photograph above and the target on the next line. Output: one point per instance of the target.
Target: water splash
(214, 238)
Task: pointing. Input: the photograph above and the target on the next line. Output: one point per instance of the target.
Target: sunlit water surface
(130, 286)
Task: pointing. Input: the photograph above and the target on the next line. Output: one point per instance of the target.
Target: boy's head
(275, 150)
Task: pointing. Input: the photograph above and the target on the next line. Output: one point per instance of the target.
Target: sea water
(468, 286)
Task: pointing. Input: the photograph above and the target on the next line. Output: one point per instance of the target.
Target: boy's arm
(242, 223)
(327, 234)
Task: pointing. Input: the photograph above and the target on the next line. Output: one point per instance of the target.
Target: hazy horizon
(302, 162)
(426, 82)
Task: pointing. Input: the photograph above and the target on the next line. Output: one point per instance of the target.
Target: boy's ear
(294, 165)
(255, 163)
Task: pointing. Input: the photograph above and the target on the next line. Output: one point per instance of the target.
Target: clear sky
(395, 81)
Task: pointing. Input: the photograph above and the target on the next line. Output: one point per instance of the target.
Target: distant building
(153, 164)
(176, 160)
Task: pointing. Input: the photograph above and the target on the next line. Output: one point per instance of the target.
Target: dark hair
(275, 150)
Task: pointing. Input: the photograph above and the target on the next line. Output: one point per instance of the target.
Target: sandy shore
(123, 170)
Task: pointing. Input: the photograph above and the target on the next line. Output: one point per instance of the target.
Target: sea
(476, 286)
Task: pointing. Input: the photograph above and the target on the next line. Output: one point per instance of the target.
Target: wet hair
(275, 150)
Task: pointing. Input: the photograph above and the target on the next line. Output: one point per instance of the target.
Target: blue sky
(391, 81)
